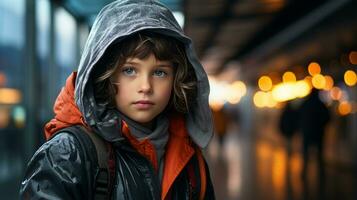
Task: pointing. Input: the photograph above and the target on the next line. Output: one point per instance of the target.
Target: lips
(143, 104)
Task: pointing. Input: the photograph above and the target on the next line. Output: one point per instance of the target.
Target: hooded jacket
(58, 169)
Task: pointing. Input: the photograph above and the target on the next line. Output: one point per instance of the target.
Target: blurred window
(65, 45)
(43, 18)
(12, 82)
(12, 42)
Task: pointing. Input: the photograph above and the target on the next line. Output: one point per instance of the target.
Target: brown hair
(141, 45)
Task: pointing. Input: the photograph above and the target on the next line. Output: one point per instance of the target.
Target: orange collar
(178, 151)
(65, 109)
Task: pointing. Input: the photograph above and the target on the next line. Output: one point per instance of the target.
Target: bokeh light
(302, 88)
(2, 79)
(259, 99)
(329, 83)
(222, 92)
(318, 81)
(269, 100)
(353, 57)
(19, 115)
(240, 87)
(10, 96)
(314, 68)
(350, 78)
(4, 117)
(289, 77)
(335, 93)
(344, 108)
(283, 92)
(265, 83)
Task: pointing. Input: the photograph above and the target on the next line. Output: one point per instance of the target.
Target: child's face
(144, 88)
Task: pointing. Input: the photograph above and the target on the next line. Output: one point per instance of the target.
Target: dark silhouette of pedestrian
(314, 116)
(288, 124)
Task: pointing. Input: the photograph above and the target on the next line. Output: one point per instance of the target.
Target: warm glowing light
(221, 92)
(9, 96)
(218, 91)
(288, 91)
(239, 87)
(279, 171)
(302, 88)
(263, 150)
(270, 101)
(353, 57)
(350, 78)
(265, 83)
(314, 68)
(344, 108)
(4, 117)
(318, 81)
(216, 106)
(2, 79)
(237, 90)
(308, 80)
(289, 77)
(259, 99)
(329, 83)
(283, 92)
(335, 93)
(233, 99)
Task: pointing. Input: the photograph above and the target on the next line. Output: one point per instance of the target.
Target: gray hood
(114, 22)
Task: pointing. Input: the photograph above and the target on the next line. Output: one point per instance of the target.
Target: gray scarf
(158, 136)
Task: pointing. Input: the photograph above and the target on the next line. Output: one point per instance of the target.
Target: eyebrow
(159, 65)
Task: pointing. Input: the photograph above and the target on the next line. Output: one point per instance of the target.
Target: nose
(145, 85)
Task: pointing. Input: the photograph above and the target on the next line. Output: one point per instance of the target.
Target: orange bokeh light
(335, 93)
(318, 81)
(350, 78)
(344, 108)
(289, 77)
(329, 83)
(353, 57)
(314, 68)
(265, 83)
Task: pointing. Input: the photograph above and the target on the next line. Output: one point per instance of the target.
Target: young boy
(141, 90)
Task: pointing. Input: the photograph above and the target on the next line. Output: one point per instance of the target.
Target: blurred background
(283, 89)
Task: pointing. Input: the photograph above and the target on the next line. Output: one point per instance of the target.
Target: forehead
(148, 59)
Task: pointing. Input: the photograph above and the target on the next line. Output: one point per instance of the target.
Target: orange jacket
(179, 149)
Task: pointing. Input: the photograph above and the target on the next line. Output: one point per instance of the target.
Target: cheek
(120, 97)
(165, 93)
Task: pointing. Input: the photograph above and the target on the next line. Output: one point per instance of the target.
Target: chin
(143, 120)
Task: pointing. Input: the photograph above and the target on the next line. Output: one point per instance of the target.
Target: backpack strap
(102, 186)
(94, 145)
(201, 165)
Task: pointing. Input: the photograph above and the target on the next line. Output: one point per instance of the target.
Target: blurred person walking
(288, 124)
(314, 116)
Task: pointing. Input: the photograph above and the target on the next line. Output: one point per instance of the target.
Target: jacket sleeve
(57, 171)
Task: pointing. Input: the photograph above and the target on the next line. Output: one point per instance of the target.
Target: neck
(150, 125)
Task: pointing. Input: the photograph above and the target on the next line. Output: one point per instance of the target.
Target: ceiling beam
(217, 24)
(241, 17)
(292, 22)
(295, 29)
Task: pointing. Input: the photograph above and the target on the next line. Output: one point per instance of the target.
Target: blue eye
(160, 73)
(128, 71)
